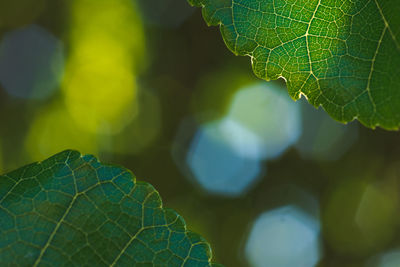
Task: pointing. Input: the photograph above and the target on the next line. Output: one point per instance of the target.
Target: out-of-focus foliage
(54, 130)
(142, 130)
(106, 48)
(71, 209)
(190, 121)
(342, 55)
(367, 212)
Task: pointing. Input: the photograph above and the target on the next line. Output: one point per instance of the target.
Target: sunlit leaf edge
(211, 19)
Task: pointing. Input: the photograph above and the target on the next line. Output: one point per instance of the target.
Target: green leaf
(73, 210)
(341, 54)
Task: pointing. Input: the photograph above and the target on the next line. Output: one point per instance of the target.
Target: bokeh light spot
(387, 259)
(31, 62)
(215, 164)
(266, 110)
(284, 237)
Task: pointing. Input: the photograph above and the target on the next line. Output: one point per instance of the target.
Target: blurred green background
(147, 85)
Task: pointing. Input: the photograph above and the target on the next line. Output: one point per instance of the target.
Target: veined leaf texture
(343, 55)
(73, 210)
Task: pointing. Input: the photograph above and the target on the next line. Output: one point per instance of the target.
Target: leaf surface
(73, 210)
(341, 54)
